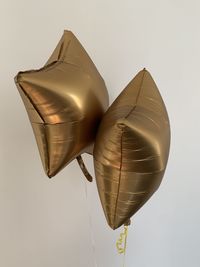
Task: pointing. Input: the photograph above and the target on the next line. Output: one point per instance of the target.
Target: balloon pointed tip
(50, 174)
(68, 32)
(18, 77)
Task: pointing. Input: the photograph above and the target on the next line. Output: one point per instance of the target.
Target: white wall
(45, 223)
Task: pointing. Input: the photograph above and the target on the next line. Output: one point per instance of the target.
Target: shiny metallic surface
(131, 149)
(65, 101)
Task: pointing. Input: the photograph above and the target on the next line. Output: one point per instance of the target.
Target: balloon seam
(138, 95)
(115, 213)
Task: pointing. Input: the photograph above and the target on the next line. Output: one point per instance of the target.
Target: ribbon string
(121, 243)
(91, 227)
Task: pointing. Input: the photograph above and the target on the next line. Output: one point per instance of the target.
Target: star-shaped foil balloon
(131, 149)
(65, 101)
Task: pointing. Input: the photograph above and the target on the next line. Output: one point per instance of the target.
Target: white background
(45, 223)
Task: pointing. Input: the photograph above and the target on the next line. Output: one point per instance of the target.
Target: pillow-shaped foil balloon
(65, 101)
(131, 149)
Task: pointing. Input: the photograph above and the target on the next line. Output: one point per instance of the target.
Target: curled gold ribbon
(122, 241)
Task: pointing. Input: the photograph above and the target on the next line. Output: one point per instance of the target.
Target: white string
(124, 258)
(90, 226)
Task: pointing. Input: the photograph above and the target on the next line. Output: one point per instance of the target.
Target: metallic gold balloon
(65, 101)
(131, 149)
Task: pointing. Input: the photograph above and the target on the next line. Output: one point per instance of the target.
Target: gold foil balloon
(65, 101)
(131, 149)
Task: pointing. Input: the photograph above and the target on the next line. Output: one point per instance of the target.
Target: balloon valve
(127, 223)
(84, 169)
